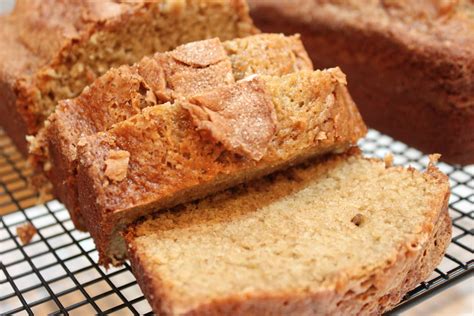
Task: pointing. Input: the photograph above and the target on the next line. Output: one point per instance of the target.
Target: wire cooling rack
(57, 272)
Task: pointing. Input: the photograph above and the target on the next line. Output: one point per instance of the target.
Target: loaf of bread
(125, 91)
(51, 49)
(346, 236)
(176, 152)
(410, 64)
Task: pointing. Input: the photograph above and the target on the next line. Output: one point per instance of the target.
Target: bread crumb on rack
(26, 232)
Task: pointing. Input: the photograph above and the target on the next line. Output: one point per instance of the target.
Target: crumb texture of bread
(267, 54)
(175, 163)
(26, 232)
(410, 64)
(123, 92)
(343, 236)
(51, 49)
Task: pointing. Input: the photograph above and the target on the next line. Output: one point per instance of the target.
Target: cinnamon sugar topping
(242, 117)
(188, 70)
(191, 81)
(200, 54)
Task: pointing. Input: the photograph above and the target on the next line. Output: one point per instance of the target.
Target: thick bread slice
(125, 91)
(346, 236)
(173, 153)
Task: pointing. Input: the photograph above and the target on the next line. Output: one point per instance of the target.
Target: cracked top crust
(241, 117)
(201, 53)
(190, 69)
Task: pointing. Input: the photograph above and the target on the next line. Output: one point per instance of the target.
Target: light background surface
(6, 5)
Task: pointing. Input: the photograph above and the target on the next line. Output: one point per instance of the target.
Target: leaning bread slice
(125, 91)
(346, 236)
(173, 153)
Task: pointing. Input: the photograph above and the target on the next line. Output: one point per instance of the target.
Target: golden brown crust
(183, 79)
(348, 292)
(431, 108)
(56, 143)
(118, 95)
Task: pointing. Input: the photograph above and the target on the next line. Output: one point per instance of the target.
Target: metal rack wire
(58, 272)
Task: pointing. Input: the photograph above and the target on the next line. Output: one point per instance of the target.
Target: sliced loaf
(173, 153)
(346, 236)
(125, 91)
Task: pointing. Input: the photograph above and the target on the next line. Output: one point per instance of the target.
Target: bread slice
(173, 153)
(123, 92)
(346, 236)
(51, 49)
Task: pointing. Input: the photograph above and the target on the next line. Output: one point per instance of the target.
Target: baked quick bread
(347, 236)
(410, 64)
(51, 49)
(125, 91)
(173, 153)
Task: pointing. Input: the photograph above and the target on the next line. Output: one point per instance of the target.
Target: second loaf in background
(409, 64)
